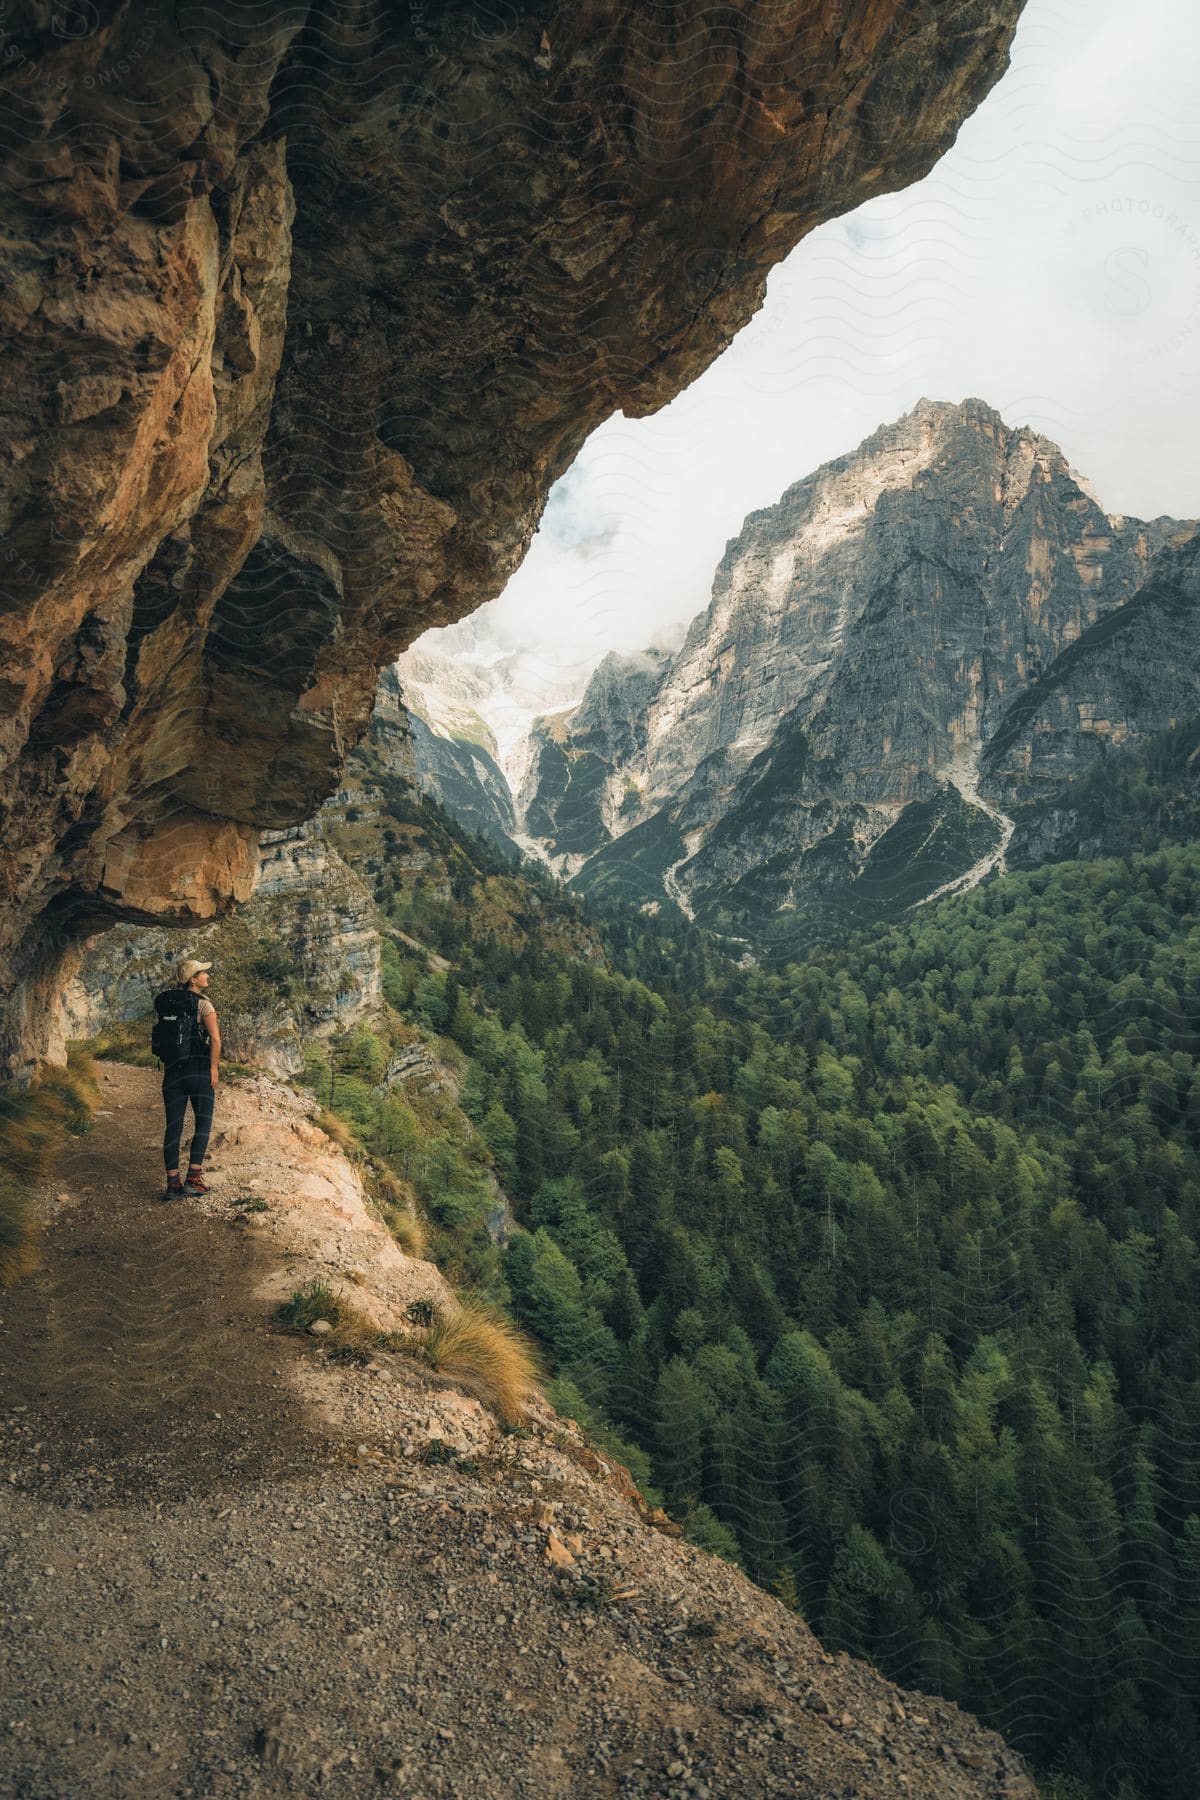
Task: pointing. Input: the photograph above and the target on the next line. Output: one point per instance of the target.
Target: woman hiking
(192, 1077)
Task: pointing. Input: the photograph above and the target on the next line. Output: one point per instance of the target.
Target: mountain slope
(1133, 799)
(1135, 672)
(470, 717)
(578, 789)
(879, 1268)
(302, 1569)
(467, 781)
(811, 755)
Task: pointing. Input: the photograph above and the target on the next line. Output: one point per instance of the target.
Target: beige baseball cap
(187, 968)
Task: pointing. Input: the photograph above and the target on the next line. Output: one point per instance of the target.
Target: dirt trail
(232, 1567)
(141, 1346)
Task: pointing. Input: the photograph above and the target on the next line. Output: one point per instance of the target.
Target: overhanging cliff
(309, 305)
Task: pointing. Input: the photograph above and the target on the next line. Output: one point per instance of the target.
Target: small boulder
(556, 1552)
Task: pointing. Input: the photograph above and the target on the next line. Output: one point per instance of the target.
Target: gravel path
(233, 1565)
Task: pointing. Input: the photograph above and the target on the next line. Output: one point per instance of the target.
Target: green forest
(879, 1269)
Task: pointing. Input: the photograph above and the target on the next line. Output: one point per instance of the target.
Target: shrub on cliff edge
(487, 1354)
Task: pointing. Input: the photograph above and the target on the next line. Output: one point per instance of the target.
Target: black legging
(180, 1086)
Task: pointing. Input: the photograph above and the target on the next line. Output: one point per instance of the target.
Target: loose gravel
(233, 1563)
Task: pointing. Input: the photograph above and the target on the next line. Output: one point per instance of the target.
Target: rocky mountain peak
(866, 638)
(621, 686)
(790, 593)
(945, 446)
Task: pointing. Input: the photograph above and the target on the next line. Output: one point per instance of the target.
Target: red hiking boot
(195, 1183)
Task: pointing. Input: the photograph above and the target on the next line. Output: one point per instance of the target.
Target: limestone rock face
(582, 782)
(453, 746)
(465, 779)
(306, 307)
(299, 961)
(471, 710)
(1134, 673)
(892, 653)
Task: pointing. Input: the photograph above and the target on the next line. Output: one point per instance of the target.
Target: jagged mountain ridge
(817, 746)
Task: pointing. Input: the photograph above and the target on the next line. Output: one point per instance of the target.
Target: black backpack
(177, 1033)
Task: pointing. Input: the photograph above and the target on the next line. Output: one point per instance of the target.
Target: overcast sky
(1049, 264)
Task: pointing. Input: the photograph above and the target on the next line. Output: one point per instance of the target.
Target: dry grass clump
(487, 1354)
(335, 1127)
(351, 1328)
(408, 1231)
(34, 1121)
(18, 1231)
(395, 1201)
(389, 1188)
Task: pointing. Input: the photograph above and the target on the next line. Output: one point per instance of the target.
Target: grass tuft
(394, 1199)
(19, 1232)
(34, 1121)
(127, 1041)
(596, 1593)
(701, 1627)
(487, 1354)
(352, 1329)
(388, 1187)
(408, 1232)
(342, 1133)
(438, 1451)
(315, 1300)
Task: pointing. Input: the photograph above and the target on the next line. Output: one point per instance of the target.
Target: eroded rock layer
(308, 306)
